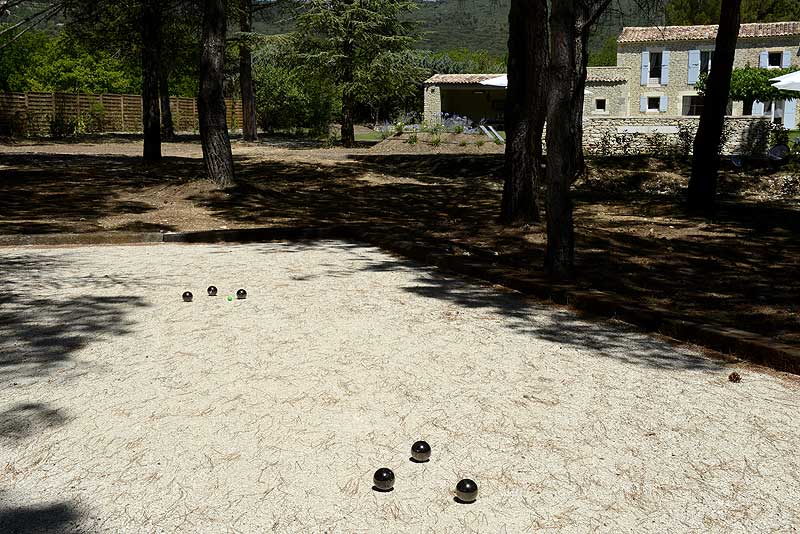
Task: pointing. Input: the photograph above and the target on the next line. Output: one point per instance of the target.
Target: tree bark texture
(526, 109)
(249, 125)
(348, 100)
(150, 27)
(167, 127)
(563, 139)
(706, 157)
(217, 154)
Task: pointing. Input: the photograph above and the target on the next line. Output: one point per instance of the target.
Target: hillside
(443, 24)
(473, 24)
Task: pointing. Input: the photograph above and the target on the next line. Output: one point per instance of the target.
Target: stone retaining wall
(661, 135)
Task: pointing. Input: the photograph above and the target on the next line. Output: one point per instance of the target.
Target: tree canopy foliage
(751, 83)
(41, 61)
(685, 12)
(363, 47)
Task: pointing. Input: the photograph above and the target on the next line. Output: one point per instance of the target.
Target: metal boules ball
(383, 479)
(466, 490)
(421, 451)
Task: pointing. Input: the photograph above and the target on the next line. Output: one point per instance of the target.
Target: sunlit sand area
(125, 409)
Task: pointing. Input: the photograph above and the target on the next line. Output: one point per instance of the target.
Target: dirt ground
(740, 269)
(124, 409)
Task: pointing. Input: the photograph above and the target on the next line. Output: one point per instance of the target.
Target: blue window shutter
(645, 66)
(790, 114)
(786, 61)
(758, 108)
(763, 59)
(643, 104)
(665, 67)
(694, 66)
(662, 106)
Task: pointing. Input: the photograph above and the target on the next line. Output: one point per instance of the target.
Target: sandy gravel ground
(123, 409)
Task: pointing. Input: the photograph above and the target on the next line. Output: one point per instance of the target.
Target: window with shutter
(655, 68)
(790, 114)
(694, 66)
(705, 61)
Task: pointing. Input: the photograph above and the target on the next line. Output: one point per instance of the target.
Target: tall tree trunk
(348, 129)
(348, 102)
(581, 69)
(562, 139)
(217, 154)
(150, 27)
(526, 109)
(705, 160)
(249, 130)
(167, 128)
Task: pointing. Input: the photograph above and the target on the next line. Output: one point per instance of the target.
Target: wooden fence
(30, 114)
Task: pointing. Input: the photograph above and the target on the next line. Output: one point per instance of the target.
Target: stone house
(663, 65)
(657, 69)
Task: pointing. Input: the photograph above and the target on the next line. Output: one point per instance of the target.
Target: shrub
(412, 139)
(95, 118)
(62, 126)
(685, 140)
(455, 123)
(756, 138)
(436, 139)
(779, 135)
(399, 128)
(624, 143)
(658, 144)
(480, 142)
(606, 145)
(292, 99)
(462, 143)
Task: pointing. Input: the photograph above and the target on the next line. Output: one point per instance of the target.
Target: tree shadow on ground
(69, 193)
(739, 269)
(613, 340)
(40, 331)
(57, 518)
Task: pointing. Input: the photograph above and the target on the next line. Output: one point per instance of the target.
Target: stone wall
(614, 93)
(432, 111)
(665, 135)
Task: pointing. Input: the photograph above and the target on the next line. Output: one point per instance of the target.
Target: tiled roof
(606, 74)
(705, 33)
(440, 79)
(595, 74)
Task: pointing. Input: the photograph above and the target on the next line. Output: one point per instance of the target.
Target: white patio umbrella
(499, 81)
(502, 81)
(788, 82)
